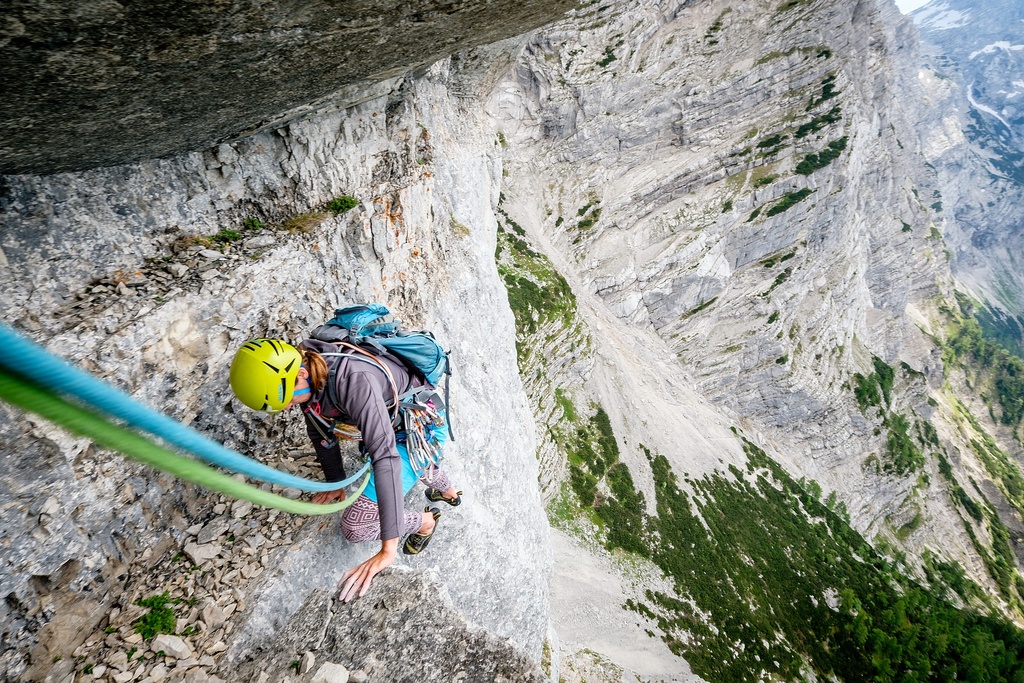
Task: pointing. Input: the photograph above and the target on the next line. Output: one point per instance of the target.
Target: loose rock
(201, 553)
(306, 663)
(213, 615)
(331, 673)
(172, 646)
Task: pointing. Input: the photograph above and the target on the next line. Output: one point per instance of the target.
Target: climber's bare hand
(356, 581)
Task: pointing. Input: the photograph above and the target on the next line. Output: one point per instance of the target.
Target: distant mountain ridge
(971, 127)
(983, 40)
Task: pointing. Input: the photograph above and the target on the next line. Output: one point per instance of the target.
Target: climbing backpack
(369, 330)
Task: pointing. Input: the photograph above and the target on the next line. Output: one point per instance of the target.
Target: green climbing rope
(29, 397)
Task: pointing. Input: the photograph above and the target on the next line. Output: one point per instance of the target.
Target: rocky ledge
(407, 631)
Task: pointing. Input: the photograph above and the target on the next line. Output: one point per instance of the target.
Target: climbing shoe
(417, 543)
(434, 496)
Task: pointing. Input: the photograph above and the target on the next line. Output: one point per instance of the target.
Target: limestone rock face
(409, 631)
(687, 131)
(114, 269)
(108, 83)
(748, 182)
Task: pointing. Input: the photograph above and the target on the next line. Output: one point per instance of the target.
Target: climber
(271, 375)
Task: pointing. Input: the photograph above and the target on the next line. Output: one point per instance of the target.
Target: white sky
(907, 6)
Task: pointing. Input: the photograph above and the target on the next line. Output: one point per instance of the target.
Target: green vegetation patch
(828, 91)
(814, 161)
(699, 308)
(777, 54)
(950, 578)
(783, 203)
(772, 144)
(609, 57)
(833, 115)
(1001, 468)
(587, 223)
(537, 292)
(789, 200)
(565, 403)
(1005, 472)
(779, 279)
(159, 619)
(771, 261)
(956, 492)
(226, 236)
(903, 453)
(789, 4)
(342, 204)
(716, 27)
(997, 368)
(770, 584)
(1002, 565)
(870, 390)
(603, 486)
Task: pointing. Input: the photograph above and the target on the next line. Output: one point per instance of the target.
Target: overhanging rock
(108, 83)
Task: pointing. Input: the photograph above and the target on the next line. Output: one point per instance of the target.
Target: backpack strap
(320, 423)
(366, 357)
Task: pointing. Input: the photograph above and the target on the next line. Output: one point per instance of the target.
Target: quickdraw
(420, 417)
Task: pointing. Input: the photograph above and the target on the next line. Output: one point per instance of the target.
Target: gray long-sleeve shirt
(363, 391)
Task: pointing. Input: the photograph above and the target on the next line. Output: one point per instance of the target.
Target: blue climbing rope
(33, 362)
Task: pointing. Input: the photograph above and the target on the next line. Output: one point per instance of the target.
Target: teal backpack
(372, 328)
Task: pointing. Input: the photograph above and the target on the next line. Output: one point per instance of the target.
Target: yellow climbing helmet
(263, 374)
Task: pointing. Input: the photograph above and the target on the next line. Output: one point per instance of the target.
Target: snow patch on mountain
(941, 17)
(981, 107)
(998, 45)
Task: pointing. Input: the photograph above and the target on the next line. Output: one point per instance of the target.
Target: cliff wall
(743, 193)
(147, 276)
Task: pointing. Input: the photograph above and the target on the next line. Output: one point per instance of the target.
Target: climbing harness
(414, 414)
(34, 363)
(82, 422)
